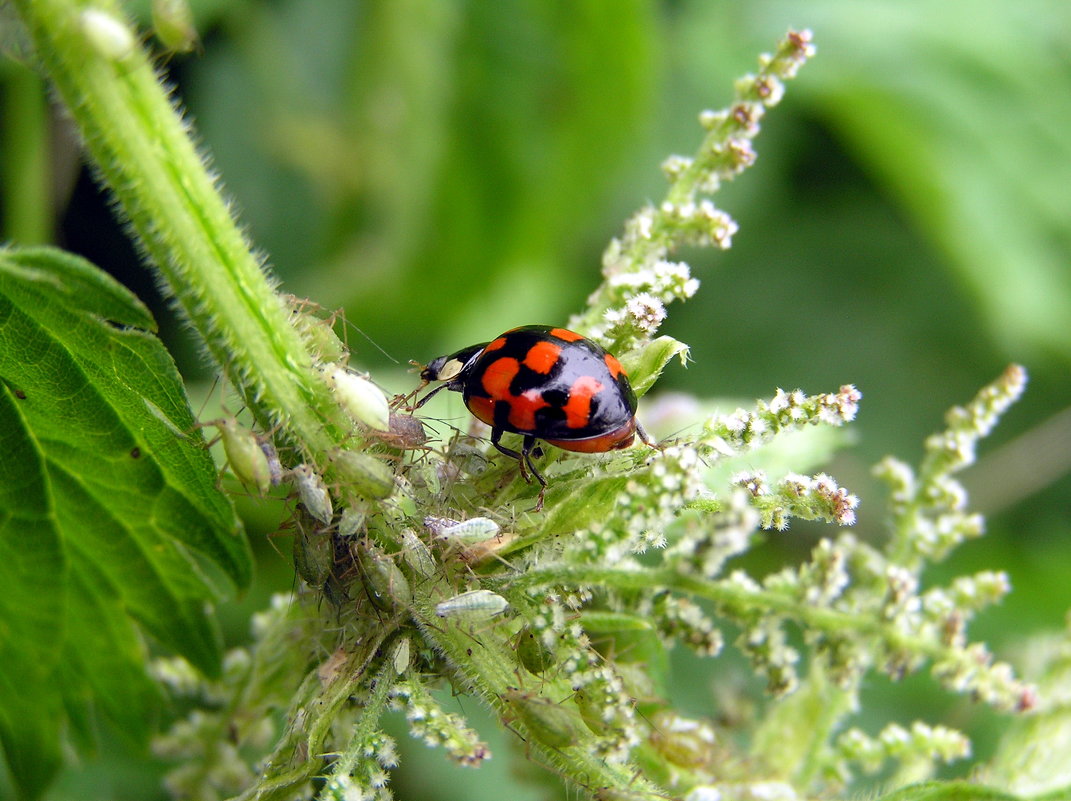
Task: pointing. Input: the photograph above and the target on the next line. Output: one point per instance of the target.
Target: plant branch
(141, 148)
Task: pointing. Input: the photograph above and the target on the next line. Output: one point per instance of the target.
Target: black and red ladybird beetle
(544, 383)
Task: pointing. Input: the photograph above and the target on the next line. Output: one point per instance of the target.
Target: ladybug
(543, 383)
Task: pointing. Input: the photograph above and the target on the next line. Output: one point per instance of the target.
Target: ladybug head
(447, 368)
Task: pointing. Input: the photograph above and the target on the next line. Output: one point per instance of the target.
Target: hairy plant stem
(142, 150)
(283, 773)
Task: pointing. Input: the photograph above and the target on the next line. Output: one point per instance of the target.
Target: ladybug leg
(645, 438)
(496, 435)
(524, 459)
(427, 397)
(526, 451)
(400, 401)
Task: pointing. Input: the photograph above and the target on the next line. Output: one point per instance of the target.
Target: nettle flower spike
(921, 745)
(739, 431)
(633, 264)
(928, 509)
(807, 497)
(436, 727)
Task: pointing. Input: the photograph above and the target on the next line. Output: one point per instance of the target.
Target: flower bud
(172, 20)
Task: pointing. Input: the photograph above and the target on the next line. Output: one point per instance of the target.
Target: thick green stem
(142, 150)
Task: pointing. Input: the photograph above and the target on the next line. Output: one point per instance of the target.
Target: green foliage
(561, 623)
(112, 514)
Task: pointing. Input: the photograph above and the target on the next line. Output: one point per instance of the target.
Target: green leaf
(948, 791)
(109, 512)
(645, 365)
(1031, 758)
(629, 639)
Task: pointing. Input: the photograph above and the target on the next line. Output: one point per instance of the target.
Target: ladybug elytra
(543, 383)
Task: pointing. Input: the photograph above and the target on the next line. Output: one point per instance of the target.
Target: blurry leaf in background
(964, 116)
(441, 160)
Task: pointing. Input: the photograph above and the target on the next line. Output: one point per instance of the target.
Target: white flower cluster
(680, 619)
(368, 782)
(825, 577)
(744, 791)
(809, 497)
(700, 223)
(954, 448)
(205, 759)
(655, 497)
(796, 49)
(766, 644)
(428, 721)
(921, 743)
(617, 316)
(730, 434)
(640, 280)
(929, 509)
(705, 546)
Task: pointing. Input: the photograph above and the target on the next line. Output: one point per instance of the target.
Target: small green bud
(172, 20)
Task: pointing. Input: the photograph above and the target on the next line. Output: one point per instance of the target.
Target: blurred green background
(446, 170)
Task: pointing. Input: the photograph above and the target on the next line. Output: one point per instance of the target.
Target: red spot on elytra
(498, 375)
(542, 356)
(578, 408)
(565, 334)
(614, 366)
